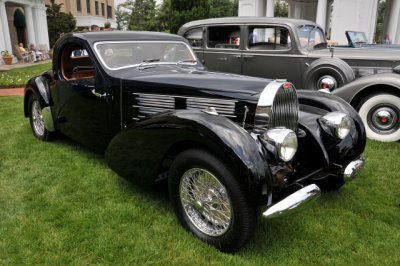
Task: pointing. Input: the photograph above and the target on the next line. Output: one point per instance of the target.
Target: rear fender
(139, 150)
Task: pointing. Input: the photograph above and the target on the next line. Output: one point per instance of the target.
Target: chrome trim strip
(294, 202)
(180, 96)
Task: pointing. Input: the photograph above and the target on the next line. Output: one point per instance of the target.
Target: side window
(269, 38)
(195, 37)
(225, 37)
(76, 63)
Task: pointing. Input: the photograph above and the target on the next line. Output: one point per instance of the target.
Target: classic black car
(358, 39)
(296, 50)
(230, 145)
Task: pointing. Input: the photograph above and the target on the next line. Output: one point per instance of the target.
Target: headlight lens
(282, 142)
(337, 124)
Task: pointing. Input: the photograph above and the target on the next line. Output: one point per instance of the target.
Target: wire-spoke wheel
(36, 119)
(209, 200)
(205, 201)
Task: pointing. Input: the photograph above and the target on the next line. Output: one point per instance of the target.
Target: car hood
(193, 82)
(357, 54)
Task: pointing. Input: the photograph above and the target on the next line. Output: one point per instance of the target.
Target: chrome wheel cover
(206, 202)
(327, 82)
(37, 119)
(384, 119)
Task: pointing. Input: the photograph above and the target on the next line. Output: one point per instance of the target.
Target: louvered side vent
(285, 108)
(223, 107)
(149, 104)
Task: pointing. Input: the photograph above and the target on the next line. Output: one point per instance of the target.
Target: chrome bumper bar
(353, 169)
(294, 202)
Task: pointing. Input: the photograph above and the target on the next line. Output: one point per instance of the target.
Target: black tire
(243, 215)
(369, 109)
(36, 120)
(334, 68)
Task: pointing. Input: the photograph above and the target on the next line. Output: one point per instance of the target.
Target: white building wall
(355, 15)
(253, 8)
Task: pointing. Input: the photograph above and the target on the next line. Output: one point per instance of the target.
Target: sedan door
(269, 53)
(222, 51)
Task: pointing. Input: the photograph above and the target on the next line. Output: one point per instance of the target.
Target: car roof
(248, 20)
(123, 36)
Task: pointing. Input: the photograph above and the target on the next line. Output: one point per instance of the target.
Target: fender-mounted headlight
(282, 142)
(336, 124)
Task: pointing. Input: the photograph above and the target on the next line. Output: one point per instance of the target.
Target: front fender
(353, 91)
(40, 87)
(139, 150)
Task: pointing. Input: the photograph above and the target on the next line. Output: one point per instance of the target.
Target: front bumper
(294, 202)
(353, 169)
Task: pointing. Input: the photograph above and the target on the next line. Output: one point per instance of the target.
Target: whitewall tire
(381, 117)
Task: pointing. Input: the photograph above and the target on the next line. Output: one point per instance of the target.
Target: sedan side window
(195, 37)
(269, 38)
(226, 37)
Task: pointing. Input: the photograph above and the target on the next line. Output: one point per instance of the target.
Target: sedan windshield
(119, 55)
(310, 36)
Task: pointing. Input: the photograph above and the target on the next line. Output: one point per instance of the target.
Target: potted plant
(7, 57)
(51, 53)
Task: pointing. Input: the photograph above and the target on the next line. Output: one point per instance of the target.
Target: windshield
(356, 37)
(310, 36)
(119, 55)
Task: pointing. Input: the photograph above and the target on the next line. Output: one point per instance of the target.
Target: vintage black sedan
(296, 50)
(230, 146)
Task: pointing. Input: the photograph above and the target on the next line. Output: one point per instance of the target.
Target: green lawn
(20, 76)
(60, 204)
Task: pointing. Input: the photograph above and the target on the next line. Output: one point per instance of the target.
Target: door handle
(98, 94)
(237, 56)
(222, 58)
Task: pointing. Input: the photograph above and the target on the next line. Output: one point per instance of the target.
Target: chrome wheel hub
(327, 82)
(205, 201)
(37, 119)
(384, 119)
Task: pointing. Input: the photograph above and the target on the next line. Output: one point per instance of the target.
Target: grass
(61, 204)
(18, 77)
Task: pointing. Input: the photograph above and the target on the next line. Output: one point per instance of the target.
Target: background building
(22, 21)
(334, 16)
(89, 12)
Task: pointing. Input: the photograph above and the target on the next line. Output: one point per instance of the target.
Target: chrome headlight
(282, 142)
(337, 124)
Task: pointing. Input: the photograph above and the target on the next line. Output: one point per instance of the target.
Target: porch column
(290, 9)
(29, 25)
(321, 13)
(4, 25)
(297, 10)
(270, 8)
(394, 22)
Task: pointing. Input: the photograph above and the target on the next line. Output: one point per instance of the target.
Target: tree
(182, 11)
(379, 21)
(281, 9)
(137, 15)
(224, 8)
(58, 22)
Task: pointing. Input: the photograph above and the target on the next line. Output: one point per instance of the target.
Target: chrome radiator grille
(285, 108)
(149, 104)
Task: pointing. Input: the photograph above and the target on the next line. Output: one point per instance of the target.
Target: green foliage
(58, 22)
(182, 11)
(60, 204)
(379, 21)
(281, 9)
(224, 8)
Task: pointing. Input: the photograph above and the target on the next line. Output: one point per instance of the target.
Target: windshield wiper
(147, 61)
(186, 61)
